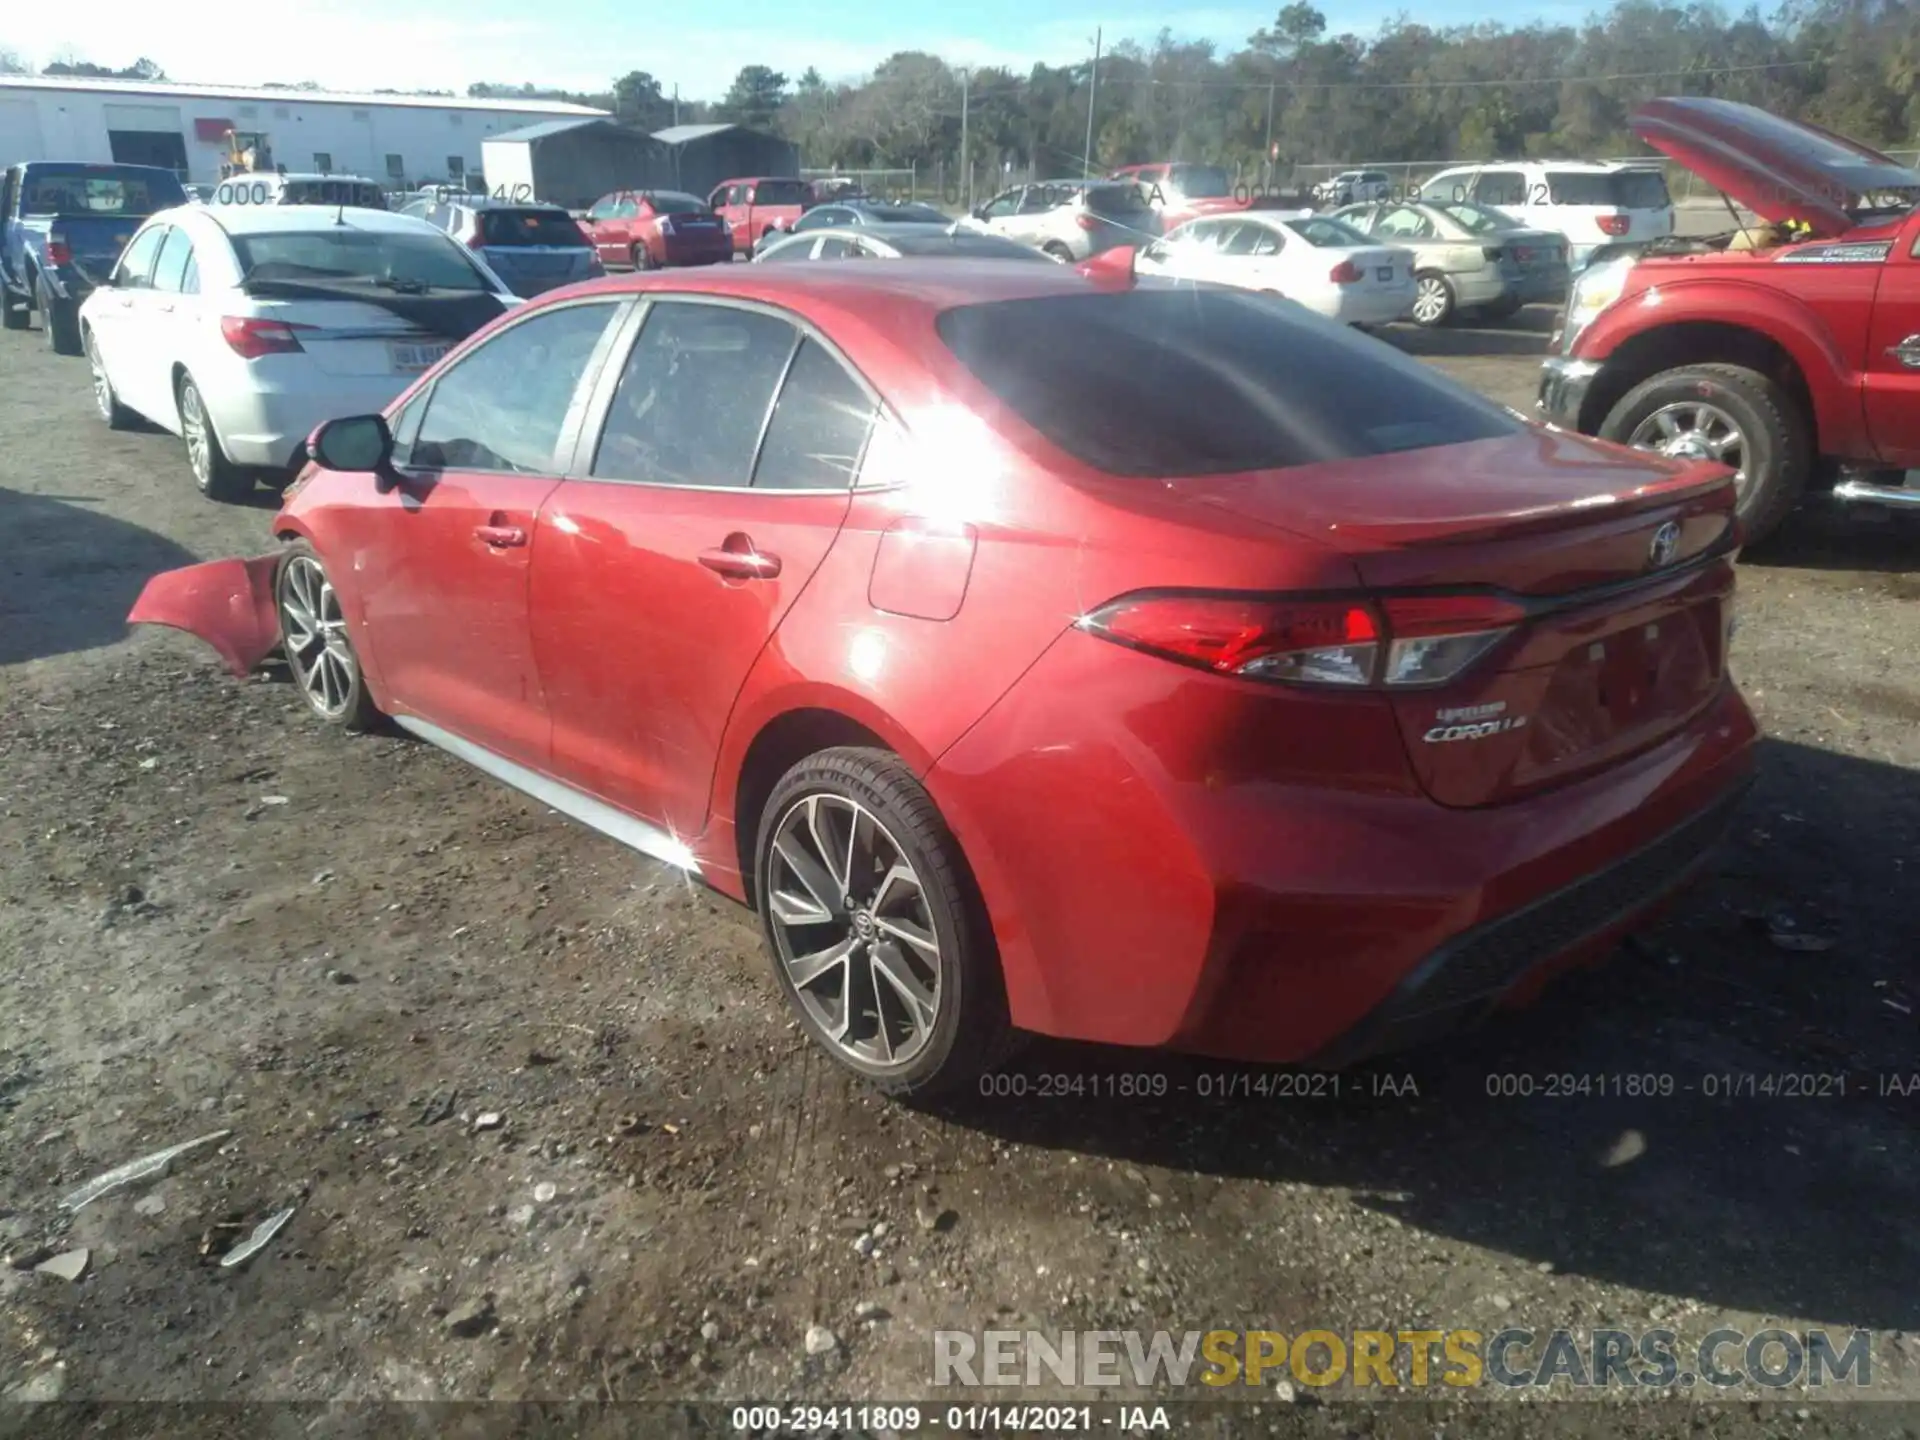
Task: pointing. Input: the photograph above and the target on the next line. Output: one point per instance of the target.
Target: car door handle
(1907, 352)
(166, 309)
(739, 560)
(500, 536)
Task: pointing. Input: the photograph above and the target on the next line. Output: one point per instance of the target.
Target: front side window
(136, 266)
(693, 396)
(834, 247)
(1002, 205)
(502, 407)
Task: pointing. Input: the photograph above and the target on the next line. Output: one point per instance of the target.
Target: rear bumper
(1365, 307)
(266, 426)
(1563, 389)
(1463, 981)
(695, 251)
(1167, 863)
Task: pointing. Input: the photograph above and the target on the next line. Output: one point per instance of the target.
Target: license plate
(1385, 272)
(410, 358)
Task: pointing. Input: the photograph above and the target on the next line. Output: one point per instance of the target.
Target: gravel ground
(549, 1134)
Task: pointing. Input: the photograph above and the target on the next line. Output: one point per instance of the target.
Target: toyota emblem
(1666, 540)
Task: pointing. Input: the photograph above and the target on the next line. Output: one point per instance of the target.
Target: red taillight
(1087, 222)
(59, 252)
(476, 241)
(1345, 273)
(1400, 641)
(1613, 224)
(250, 338)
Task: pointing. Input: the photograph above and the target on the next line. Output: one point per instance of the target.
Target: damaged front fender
(227, 603)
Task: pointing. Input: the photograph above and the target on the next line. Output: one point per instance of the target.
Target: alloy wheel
(316, 637)
(853, 929)
(1430, 300)
(102, 388)
(193, 428)
(1695, 430)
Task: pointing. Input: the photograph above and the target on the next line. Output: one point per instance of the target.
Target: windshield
(1323, 232)
(1201, 182)
(1627, 189)
(1205, 381)
(780, 192)
(103, 194)
(530, 227)
(673, 202)
(1476, 219)
(371, 257)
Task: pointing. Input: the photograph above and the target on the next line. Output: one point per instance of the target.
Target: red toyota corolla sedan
(1034, 649)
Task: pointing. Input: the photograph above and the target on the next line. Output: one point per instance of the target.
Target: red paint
(1168, 854)
(621, 239)
(746, 206)
(227, 603)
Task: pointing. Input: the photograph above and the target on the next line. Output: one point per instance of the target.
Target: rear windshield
(1201, 182)
(363, 255)
(905, 214)
(672, 202)
(1322, 231)
(780, 192)
(1200, 381)
(530, 227)
(107, 194)
(1628, 189)
(1125, 199)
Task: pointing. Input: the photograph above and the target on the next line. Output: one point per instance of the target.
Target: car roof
(284, 219)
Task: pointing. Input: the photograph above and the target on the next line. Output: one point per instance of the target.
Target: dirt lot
(216, 916)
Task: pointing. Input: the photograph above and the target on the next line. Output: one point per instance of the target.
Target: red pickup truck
(755, 206)
(1788, 348)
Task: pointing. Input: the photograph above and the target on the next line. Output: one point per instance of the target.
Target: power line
(1701, 73)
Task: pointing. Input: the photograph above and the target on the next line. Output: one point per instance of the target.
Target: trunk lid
(1613, 570)
(374, 332)
(1779, 169)
(530, 269)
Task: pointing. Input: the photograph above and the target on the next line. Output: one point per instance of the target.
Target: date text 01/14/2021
(1205, 1085)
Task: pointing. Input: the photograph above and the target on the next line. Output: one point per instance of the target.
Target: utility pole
(966, 159)
(1269, 134)
(676, 104)
(1093, 91)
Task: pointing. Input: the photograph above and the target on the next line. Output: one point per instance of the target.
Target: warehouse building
(398, 141)
(704, 155)
(573, 162)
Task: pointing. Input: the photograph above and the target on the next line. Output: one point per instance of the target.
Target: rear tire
(1503, 309)
(641, 257)
(61, 321)
(217, 476)
(1434, 303)
(1054, 250)
(855, 821)
(117, 416)
(1776, 448)
(314, 638)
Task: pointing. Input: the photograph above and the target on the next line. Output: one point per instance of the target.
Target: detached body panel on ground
(1131, 661)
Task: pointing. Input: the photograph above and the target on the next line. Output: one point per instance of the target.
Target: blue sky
(581, 44)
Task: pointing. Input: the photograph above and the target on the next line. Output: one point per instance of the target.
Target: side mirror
(360, 444)
(979, 212)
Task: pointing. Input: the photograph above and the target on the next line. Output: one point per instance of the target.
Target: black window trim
(567, 440)
(594, 417)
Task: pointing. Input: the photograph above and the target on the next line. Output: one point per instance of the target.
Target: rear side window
(176, 255)
(819, 426)
(1628, 189)
(530, 227)
(1162, 383)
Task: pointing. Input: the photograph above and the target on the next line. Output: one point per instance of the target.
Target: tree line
(1295, 94)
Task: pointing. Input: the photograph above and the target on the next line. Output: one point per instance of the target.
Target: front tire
(313, 635)
(877, 935)
(217, 476)
(60, 319)
(1434, 302)
(16, 311)
(1727, 413)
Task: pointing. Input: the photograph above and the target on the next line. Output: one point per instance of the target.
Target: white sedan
(240, 330)
(1322, 264)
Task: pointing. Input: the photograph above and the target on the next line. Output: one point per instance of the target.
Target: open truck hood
(1779, 169)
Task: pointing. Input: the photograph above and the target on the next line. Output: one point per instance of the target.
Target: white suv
(1592, 203)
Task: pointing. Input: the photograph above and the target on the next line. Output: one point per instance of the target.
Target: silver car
(1467, 257)
(1071, 220)
(893, 241)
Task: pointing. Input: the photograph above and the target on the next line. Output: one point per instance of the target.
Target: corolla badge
(1472, 722)
(1664, 545)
